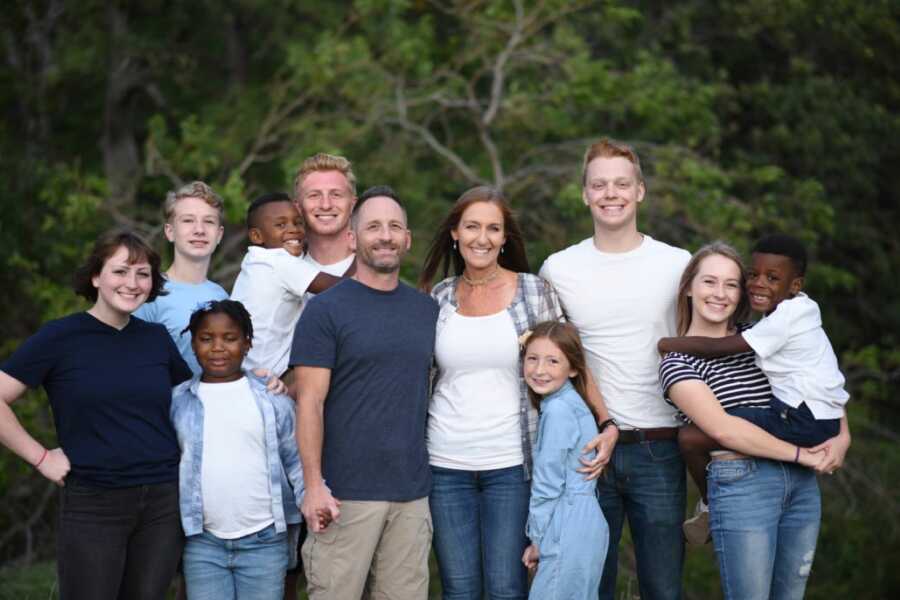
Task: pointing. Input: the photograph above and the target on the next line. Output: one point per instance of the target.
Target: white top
(622, 304)
(473, 417)
(234, 476)
(271, 286)
(795, 354)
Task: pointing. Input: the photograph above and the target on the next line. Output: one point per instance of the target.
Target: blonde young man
(325, 192)
(618, 288)
(194, 226)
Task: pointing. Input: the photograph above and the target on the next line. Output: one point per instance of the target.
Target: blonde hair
(609, 148)
(324, 162)
(194, 189)
(685, 306)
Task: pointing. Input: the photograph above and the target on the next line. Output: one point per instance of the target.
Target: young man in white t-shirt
(325, 192)
(619, 289)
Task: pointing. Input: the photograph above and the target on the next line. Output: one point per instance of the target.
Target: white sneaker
(696, 529)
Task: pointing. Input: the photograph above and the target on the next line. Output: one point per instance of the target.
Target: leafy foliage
(749, 116)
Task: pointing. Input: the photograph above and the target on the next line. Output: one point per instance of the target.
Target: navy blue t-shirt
(110, 392)
(378, 346)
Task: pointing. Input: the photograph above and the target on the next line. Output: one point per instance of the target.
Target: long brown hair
(685, 306)
(442, 255)
(566, 338)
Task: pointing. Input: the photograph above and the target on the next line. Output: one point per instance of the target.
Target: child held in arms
(792, 350)
(274, 278)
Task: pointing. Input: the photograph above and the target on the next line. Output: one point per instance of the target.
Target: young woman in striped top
(764, 514)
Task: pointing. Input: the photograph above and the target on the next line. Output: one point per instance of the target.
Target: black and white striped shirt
(735, 380)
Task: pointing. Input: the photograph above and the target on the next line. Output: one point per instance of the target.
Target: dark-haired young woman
(481, 425)
(109, 379)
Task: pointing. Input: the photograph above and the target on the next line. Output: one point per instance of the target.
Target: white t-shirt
(622, 304)
(271, 286)
(234, 476)
(795, 354)
(473, 416)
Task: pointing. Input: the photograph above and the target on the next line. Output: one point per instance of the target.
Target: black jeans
(118, 543)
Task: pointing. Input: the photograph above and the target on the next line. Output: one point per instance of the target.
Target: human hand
(835, 450)
(530, 557)
(273, 384)
(55, 466)
(811, 458)
(604, 443)
(319, 508)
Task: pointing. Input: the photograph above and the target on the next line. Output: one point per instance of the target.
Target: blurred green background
(749, 116)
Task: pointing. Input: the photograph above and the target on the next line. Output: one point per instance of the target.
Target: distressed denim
(764, 518)
(282, 456)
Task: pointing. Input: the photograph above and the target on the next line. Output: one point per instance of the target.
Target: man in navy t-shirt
(362, 353)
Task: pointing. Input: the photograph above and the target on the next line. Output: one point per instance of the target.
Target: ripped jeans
(764, 520)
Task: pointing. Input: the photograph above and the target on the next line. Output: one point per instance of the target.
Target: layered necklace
(487, 279)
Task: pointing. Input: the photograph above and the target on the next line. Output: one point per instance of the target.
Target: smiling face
(546, 367)
(612, 191)
(326, 199)
(122, 286)
(480, 235)
(716, 290)
(195, 228)
(220, 346)
(278, 225)
(380, 237)
(771, 279)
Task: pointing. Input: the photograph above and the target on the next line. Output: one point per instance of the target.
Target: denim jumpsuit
(565, 520)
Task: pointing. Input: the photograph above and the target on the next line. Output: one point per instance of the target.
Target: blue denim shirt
(282, 456)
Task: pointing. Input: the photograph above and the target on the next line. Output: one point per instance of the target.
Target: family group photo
(412, 300)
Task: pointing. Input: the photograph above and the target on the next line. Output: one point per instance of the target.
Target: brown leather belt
(633, 436)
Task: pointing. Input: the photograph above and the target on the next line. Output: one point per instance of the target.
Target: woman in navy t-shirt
(109, 378)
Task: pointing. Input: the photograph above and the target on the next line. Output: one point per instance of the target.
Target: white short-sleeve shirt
(622, 304)
(793, 351)
(271, 285)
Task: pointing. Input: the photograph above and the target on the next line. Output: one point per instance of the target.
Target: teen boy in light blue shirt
(194, 225)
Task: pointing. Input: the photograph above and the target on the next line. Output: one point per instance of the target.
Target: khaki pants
(379, 549)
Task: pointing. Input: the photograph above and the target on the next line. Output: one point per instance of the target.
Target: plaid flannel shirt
(535, 301)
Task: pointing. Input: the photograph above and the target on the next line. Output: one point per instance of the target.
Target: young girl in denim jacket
(240, 477)
(569, 536)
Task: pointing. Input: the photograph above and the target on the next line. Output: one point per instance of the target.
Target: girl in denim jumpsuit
(569, 535)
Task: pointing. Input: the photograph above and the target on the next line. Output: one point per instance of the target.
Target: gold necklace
(484, 280)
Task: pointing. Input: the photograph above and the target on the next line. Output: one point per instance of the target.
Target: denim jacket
(285, 471)
(535, 301)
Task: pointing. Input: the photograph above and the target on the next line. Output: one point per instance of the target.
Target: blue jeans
(250, 567)
(479, 532)
(645, 482)
(764, 518)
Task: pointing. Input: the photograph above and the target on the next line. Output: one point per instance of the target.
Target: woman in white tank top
(480, 424)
